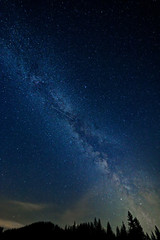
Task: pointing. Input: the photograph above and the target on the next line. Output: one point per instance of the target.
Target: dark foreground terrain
(92, 230)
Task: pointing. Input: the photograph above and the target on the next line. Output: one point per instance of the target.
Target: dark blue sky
(79, 111)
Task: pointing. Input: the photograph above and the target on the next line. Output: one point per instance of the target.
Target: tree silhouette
(135, 229)
(90, 231)
(153, 237)
(157, 233)
(147, 237)
(123, 232)
(110, 233)
(130, 222)
(118, 233)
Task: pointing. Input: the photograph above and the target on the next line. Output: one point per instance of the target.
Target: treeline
(92, 230)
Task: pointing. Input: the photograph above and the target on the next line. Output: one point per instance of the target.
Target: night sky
(79, 111)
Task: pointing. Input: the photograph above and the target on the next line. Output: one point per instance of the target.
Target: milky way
(93, 145)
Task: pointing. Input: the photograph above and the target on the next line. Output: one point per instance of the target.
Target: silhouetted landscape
(89, 230)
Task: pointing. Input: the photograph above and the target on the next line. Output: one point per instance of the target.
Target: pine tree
(110, 233)
(157, 233)
(95, 223)
(147, 237)
(117, 233)
(153, 237)
(123, 232)
(138, 229)
(99, 225)
(130, 222)
(135, 229)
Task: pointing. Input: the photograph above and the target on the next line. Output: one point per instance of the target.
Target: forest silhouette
(91, 230)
